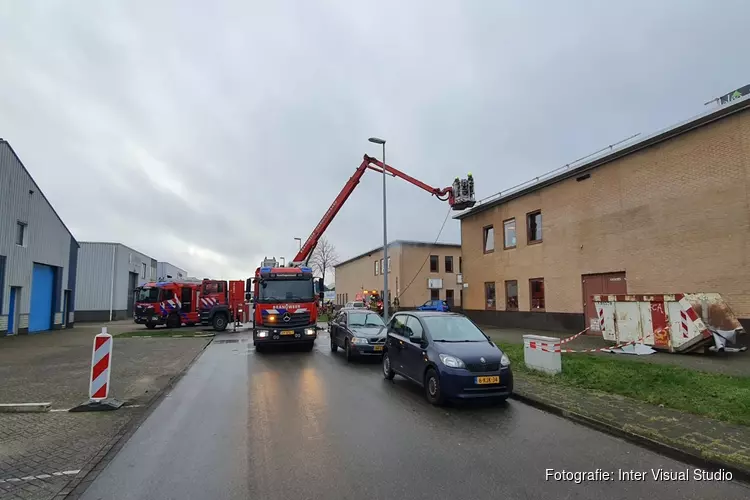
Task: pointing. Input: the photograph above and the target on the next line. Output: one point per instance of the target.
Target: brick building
(415, 267)
(668, 213)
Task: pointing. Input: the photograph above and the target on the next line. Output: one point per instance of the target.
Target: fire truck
(286, 298)
(189, 301)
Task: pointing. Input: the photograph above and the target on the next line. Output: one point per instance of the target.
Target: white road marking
(40, 476)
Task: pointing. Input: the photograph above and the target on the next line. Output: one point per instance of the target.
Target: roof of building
(118, 244)
(610, 154)
(3, 141)
(395, 243)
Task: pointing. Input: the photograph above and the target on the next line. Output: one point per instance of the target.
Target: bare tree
(324, 257)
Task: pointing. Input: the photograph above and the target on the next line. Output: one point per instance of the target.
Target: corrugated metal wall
(47, 241)
(94, 276)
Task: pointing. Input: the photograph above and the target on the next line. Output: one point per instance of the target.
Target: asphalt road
(310, 426)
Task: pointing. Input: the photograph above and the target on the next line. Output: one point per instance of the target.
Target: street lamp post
(385, 298)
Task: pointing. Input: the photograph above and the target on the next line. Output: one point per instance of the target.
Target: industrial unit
(38, 255)
(666, 213)
(418, 272)
(108, 274)
(167, 271)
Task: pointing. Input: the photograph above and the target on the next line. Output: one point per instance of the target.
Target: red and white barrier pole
(101, 358)
(101, 370)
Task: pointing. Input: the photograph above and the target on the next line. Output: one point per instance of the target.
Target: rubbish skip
(678, 323)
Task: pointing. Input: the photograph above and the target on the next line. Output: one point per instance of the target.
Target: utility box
(542, 353)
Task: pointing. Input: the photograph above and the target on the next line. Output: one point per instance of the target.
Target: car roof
(423, 314)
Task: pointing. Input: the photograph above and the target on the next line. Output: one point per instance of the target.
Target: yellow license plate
(378, 348)
(287, 332)
(488, 380)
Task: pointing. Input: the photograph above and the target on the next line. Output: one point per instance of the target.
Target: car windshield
(286, 291)
(365, 319)
(453, 329)
(148, 295)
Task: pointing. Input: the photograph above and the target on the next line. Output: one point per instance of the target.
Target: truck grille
(297, 319)
(479, 367)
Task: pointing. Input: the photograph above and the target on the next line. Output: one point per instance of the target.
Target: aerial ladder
(459, 195)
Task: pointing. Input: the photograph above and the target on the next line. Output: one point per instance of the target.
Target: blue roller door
(42, 287)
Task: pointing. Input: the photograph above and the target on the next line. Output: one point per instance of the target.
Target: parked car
(434, 305)
(355, 305)
(448, 355)
(359, 332)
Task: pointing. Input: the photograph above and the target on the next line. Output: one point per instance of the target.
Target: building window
(434, 264)
(534, 226)
(448, 263)
(536, 287)
(21, 233)
(511, 295)
(449, 297)
(435, 294)
(382, 267)
(460, 265)
(377, 267)
(489, 295)
(143, 270)
(488, 239)
(389, 265)
(509, 233)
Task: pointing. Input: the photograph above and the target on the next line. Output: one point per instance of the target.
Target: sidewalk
(731, 364)
(681, 435)
(42, 453)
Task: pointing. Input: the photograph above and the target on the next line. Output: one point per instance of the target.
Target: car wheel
(150, 326)
(334, 347)
(348, 349)
(388, 372)
(432, 388)
(260, 348)
(309, 346)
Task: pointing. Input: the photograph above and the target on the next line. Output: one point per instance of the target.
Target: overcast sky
(211, 134)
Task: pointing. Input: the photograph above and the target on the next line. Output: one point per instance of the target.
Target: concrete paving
(40, 453)
(310, 425)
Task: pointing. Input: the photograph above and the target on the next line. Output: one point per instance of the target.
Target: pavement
(41, 453)
(737, 364)
(286, 425)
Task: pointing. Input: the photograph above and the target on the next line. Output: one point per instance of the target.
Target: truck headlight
(452, 361)
(309, 331)
(262, 333)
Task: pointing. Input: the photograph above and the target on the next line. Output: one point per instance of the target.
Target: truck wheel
(150, 326)
(309, 346)
(260, 349)
(220, 322)
(174, 321)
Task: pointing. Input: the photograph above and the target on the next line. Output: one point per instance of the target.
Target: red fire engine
(286, 298)
(174, 303)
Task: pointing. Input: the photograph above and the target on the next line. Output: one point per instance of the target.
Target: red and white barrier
(101, 361)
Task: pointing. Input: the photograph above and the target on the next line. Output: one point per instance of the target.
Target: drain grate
(226, 341)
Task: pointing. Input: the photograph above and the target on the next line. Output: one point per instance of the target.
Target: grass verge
(162, 333)
(721, 397)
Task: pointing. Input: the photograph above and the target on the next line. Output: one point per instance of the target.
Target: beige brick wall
(353, 277)
(358, 275)
(413, 257)
(674, 216)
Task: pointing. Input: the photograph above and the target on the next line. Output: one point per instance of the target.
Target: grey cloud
(227, 130)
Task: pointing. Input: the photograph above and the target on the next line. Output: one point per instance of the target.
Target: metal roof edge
(121, 245)
(396, 243)
(18, 159)
(652, 139)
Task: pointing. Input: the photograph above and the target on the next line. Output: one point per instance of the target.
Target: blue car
(434, 305)
(446, 354)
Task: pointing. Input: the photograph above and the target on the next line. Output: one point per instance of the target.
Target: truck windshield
(148, 295)
(286, 290)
